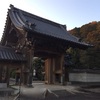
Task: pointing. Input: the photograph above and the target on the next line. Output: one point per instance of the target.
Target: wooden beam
(47, 51)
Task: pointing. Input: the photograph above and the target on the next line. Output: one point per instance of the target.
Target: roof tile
(7, 53)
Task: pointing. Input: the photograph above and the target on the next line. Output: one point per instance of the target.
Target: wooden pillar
(7, 74)
(47, 65)
(22, 74)
(55, 66)
(53, 70)
(1, 73)
(62, 70)
(25, 77)
(59, 69)
(30, 62)
(49, 75)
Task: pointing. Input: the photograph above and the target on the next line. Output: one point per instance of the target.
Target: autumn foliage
(89, 58)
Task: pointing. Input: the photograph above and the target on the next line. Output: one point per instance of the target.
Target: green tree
(38, 65)
(90, 33)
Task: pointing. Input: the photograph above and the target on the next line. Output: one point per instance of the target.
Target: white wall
(84, 77)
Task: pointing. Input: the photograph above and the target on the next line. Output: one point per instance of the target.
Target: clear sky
(73, 13)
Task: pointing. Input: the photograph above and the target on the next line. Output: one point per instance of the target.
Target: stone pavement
(70, 88)
(52, 87)
(91, 88)
(41, 91)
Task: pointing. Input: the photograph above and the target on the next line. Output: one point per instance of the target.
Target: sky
(72, 13)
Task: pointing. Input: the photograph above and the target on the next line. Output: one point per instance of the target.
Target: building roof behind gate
(9, 54)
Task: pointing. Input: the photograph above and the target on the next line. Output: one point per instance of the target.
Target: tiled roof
(23, 19)
(9, 54)
(31, 22)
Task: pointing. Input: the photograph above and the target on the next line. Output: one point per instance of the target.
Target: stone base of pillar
(30, 85)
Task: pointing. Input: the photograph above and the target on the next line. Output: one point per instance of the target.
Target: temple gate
(34, 36)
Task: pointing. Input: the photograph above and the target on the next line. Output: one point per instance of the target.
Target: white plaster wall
(3, 85)
(84, 77)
